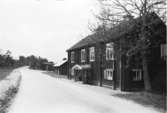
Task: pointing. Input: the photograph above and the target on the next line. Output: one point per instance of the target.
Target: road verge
(8, 90)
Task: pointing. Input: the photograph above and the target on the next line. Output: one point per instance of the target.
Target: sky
(45, 28)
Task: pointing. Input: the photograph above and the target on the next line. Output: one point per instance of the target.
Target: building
(48, 66)
(99, 58)
(61, 68)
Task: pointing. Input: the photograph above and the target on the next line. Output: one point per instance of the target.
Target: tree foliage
(34, 62)
(6, 59)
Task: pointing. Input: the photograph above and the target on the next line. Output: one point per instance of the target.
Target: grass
(146, 99)
(6, 102)
(4, 72)
(10, 94)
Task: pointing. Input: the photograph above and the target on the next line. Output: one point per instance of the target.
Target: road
(40, 93)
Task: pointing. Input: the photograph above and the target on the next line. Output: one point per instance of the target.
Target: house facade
(98, 59)
(97, 64)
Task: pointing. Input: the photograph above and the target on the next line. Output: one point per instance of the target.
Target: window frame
(110, 51)
(83, 55)
(92, 54)
(72, 57)
(108, 74)
(138, 75)
(163, 50)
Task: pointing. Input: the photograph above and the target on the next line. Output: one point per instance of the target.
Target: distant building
(49, 66)
(97, 59)
(61, 68)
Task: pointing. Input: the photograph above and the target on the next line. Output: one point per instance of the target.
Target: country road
(40, 93)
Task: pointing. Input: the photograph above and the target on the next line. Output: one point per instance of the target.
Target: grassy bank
(155, 101)
(9, 88)
(9, 95)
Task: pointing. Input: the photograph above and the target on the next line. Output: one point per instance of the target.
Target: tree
(116, 11)
(6, 59)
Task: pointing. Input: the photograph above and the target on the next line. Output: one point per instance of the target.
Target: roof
(49, 63)
(100, 37)
(60, 63)
(81, 67)
(111, 34)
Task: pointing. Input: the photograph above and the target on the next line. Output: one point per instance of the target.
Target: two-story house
(98, 58)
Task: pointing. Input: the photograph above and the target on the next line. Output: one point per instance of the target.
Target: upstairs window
(92, 54)
(137, 74)
(110, 51)
(108, 74)
(72, 57)
(163, 50)
(83, 55)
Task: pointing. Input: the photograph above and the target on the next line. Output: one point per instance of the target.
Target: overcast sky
(45, 28)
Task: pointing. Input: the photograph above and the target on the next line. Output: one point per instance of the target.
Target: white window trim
(92, 54)
(110, 49)
(138, 74)
(72, 57)
(163, 50)
(83, 56)
(107, 73)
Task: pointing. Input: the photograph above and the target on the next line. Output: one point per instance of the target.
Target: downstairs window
(108, 74)
(137, 74)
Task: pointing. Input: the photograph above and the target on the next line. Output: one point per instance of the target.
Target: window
(83, 55)
(92, 54)
(163, 50)
(72, 57)
(109, 51)
(137, 76)
(108, 74)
